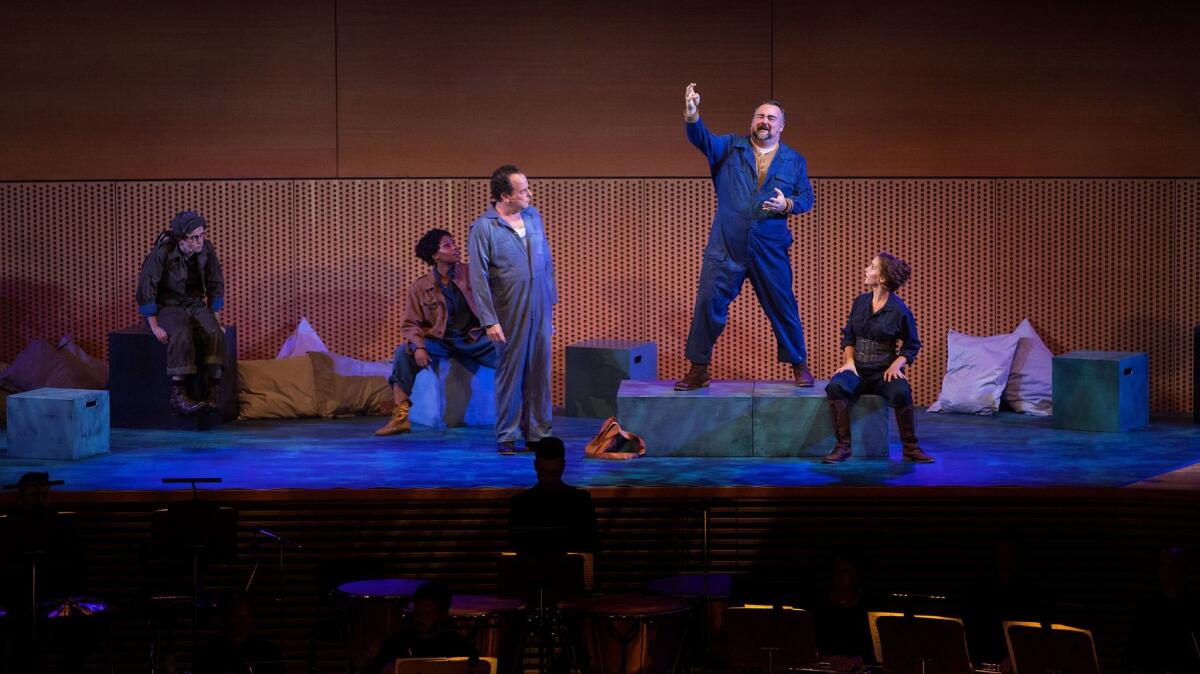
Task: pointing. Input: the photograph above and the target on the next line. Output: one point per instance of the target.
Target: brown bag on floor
(614, 443)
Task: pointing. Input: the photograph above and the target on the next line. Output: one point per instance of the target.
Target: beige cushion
(278, 388)
(347, 395)
(40, 364)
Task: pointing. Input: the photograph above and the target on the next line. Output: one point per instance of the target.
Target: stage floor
(1008, 450)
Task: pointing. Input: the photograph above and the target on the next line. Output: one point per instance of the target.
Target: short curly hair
(501, 183)
(895, 272)
(428, 246)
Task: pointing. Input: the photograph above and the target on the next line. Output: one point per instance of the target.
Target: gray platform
(596, 368)
(744, 418)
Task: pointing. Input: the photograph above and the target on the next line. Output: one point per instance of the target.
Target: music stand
(777, 635)
(919, 644)
(445, 666)
(194, 531)
(1038, 648)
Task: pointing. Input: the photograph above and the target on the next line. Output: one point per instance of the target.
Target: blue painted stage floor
(1006, 450)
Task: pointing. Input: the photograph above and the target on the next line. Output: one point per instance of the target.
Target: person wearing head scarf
(179, 290)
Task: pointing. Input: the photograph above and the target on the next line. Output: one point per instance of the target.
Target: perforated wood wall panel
(1187, 303)
(943, 228)
(596, 227)
(250, 223)
(56, 249)
(1089, 262)
(1093, 263)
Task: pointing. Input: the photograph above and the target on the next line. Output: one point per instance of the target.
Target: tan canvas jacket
(425, 313)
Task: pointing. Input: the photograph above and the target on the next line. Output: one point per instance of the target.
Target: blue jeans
(471, 354)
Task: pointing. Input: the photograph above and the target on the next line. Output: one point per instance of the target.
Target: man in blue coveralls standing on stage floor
(512, 279)
(760, 182)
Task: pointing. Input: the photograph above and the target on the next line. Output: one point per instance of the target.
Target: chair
(769, 638)
(1037, 647)
(919, 644)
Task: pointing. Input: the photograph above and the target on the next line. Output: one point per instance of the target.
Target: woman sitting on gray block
(879, 339)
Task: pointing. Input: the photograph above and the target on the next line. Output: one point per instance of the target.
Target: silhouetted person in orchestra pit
(429, 633)
(552, 517)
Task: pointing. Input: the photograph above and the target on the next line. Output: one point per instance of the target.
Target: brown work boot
(399, 422)
(804, 378)
(840, 411)
(214, 394)
(696, 377)
(180, 402)
(908, 435)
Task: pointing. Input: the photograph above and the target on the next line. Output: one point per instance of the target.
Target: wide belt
(872, 352)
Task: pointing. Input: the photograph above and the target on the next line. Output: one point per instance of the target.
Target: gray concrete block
(596, 368)
(712, 421)
(58, 423)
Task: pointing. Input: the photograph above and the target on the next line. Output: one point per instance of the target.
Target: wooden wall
(370, 88)
(1093, 263)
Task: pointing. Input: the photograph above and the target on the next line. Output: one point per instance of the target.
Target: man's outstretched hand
(691, 103)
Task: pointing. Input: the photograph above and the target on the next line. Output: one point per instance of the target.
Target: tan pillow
(349, 395)
(41, 364)
(278, 388)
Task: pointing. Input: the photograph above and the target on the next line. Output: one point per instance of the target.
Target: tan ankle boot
(399, 422)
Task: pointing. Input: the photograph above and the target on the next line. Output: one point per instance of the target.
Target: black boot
(840, 411)
(180, 402)
(908, 435)
(214, 394)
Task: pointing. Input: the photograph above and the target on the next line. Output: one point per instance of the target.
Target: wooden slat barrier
(1094, 547)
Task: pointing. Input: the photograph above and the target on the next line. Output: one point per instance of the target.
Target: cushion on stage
(1030, 388)
(977, 371)
(278, 388)
(302, 340)
(42, 365)
(348, 386)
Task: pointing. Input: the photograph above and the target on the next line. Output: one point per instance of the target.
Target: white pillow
(300, 342)
(976, 373)
(1029, 383)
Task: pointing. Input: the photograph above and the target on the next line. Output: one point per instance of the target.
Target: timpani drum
(495, 625)
(709, 597)
(375, 609)
(627, 634)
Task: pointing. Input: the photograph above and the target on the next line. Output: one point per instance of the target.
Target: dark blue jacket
(739, 198)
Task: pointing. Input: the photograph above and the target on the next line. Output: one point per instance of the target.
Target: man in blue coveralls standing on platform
(512, 279)
(760, 182)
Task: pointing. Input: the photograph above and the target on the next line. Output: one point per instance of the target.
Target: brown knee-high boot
(908, 435)
(840, 411)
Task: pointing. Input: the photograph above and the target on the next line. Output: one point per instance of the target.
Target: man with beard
(759, 182)
(512, 277)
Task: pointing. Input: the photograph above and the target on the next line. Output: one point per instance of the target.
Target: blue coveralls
(747, 241)
(512, 280)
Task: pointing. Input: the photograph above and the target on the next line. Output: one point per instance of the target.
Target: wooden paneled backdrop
(122, 89)
(1094, 263)
(321, 137)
